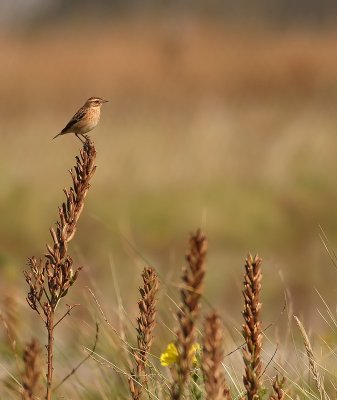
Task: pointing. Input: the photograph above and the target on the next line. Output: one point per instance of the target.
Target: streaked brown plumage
(86, 118)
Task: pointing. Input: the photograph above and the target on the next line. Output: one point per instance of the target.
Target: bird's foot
(78, 137)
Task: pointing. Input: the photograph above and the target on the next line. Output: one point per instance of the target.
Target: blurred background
(221, 115)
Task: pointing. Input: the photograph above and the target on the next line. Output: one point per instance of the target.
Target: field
(229, 128)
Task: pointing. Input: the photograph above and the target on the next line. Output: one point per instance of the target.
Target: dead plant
(251, 329)
(313, 366)
(146, 323)
(212, 356)
(32, 371)
(278, 392)
(50, 279)
(193, 280)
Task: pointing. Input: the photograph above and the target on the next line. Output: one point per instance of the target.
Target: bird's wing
(74, 120)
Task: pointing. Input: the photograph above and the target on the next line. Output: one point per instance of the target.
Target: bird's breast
(91, 120)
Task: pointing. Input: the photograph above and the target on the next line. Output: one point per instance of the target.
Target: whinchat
(86, 118)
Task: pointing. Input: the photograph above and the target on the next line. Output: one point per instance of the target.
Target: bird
(85, 119)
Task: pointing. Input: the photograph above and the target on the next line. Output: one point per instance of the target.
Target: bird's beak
(105, 101)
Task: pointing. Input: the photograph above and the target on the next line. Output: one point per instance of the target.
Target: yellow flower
(171, 355)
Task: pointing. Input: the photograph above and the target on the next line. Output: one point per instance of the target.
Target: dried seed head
(32, 372)
(57, 269)
(278, 388)
(251, 329)
(193, 279)
(212, 356)
(145, 325)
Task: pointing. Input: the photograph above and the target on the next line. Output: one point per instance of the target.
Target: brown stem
(50, 279)
(50, 328)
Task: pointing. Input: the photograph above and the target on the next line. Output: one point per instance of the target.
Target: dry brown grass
(174, 60)
(313, 366)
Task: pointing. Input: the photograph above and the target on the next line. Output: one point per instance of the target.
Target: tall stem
(50, 328)
(50, 279)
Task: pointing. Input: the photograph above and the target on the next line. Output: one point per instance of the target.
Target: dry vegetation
(50, 280)
(234, 127)
(195, 357)
(167, 60)
(205, 113)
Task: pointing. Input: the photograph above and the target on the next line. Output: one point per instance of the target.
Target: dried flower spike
(146, 323)
(32, 372)
(193, 280)
(212, 356)
(50, 279)
(251, 329)
(278, 388)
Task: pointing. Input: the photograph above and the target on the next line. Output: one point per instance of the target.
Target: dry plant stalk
(32, 372)
(313, 366)
(50, 279)
(146, 323)
(278, 388)
(212, 356)
(193, 279)
(251, 329)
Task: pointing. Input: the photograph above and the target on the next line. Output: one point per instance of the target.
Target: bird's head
(95, 102)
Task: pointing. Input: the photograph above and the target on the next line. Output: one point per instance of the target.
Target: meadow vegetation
(231, 129)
